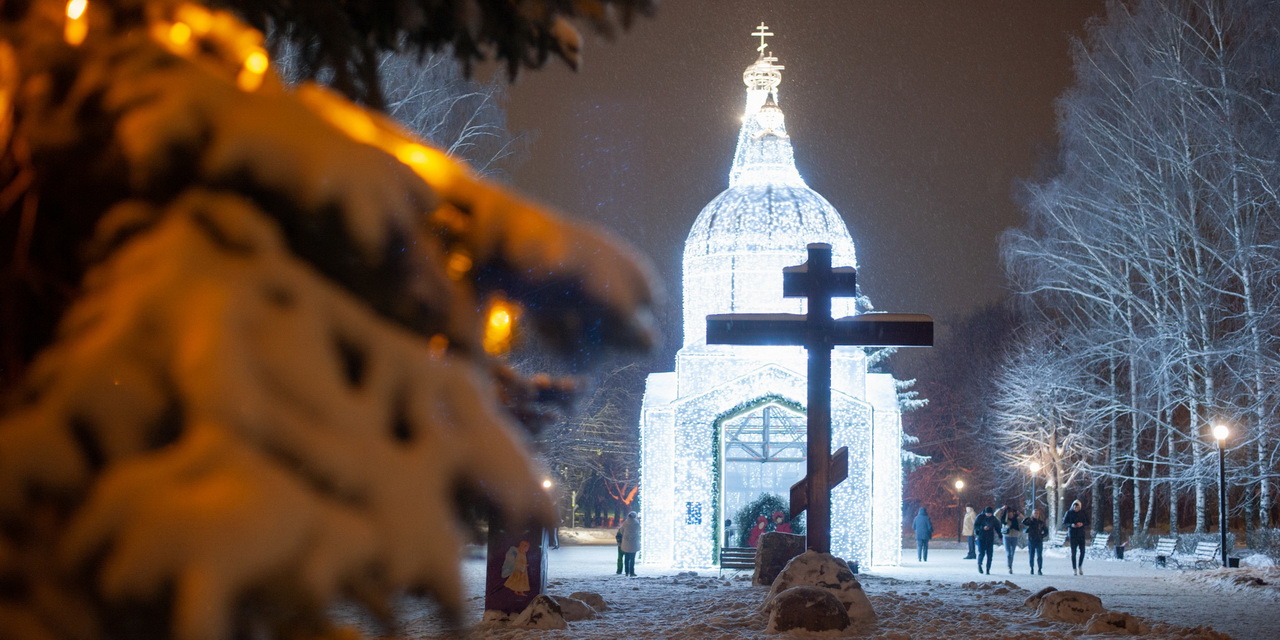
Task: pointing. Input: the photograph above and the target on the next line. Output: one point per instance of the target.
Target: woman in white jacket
(630, 531)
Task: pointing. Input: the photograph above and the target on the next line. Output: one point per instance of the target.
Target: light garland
(733, 263)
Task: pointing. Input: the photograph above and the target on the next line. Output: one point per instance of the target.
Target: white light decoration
(733, 262)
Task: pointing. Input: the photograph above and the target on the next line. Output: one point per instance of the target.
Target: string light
(733, 263)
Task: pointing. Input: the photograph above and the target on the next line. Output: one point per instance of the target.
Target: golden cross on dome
(762, 32)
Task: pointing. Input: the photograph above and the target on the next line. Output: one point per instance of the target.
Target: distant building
(729, 423)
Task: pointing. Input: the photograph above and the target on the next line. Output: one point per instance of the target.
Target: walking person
(1037, 530)
(923, 527)
(630, 544)
(1077, 524)
(1011, 522)
(985, 527)
(966, 530)
(618, 536)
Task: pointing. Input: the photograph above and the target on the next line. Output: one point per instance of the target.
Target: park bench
(1161, 555)
(1099, 546)
(737, 558)
(1206, 554)
(1059, 539)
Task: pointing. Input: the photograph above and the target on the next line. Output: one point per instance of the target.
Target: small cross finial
(762, 32)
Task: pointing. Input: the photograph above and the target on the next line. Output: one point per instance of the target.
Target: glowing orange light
(458, 266)
(251, 74)
(77, 27)
(438, 345)
(499, 330)
(180, 33)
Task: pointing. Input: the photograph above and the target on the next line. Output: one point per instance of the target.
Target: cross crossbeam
(818, 333)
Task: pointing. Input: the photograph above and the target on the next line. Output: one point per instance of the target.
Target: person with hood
(780, 523)
(1076, 523)
(985, 527)
(1011, 523)
(753, 538)
(923, 527)
(630, 544)
(966, 530)
(1037, 530)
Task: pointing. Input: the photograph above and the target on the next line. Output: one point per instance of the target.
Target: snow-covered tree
(1154, 248)
(273, 379)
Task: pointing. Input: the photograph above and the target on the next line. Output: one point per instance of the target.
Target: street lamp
(960, 509)
(1035, 469)
(1220, 434)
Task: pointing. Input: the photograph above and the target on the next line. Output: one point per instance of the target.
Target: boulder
(825, 571)
(594, 599)
(574, 609)
(1070, 606)
(1115, 622)
(774, 552)
(542, 613)
(1033, 601)
(808, 608)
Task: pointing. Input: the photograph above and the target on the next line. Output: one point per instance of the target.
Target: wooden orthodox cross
(818, 333)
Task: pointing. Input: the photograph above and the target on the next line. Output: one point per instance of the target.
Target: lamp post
(1220, 434)
(960, 511)
(1035, 469)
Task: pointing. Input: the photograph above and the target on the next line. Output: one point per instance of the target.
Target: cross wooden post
(818, 333)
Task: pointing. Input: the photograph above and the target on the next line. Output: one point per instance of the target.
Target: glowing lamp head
(546, 484)
(1220, 432)
(959, 485)
(1034, 466)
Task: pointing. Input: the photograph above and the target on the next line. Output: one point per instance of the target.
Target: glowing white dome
(740, 242)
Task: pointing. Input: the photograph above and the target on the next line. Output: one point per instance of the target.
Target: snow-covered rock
(1115, 622)
(1070, 606)
(828, 572)
(1033, 601)
(808, 608)
(595, 600)
(542, 613)
(775, 551)
(574, 609)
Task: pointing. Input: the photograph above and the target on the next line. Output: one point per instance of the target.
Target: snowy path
(944, 599)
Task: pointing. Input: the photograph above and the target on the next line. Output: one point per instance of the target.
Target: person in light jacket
(1011, 522)
(966, 530)
(923, 527)
(630, 531)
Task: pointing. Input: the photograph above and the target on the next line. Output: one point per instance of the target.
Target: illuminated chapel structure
(729, 424)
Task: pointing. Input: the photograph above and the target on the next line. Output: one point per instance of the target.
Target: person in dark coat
(986, 527)
(1076, 523)
(1037, 530)
(923, 527)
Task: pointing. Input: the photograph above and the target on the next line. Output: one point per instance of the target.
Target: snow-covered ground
(944, 599)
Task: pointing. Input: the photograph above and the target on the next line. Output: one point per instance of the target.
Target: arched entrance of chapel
(760, 447)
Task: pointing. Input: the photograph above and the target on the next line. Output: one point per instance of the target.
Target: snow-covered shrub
(272, 392)
(1265, 541)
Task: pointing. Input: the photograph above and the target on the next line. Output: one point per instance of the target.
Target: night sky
(914, 119)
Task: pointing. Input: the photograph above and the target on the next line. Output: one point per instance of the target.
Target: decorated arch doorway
(761, 448)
